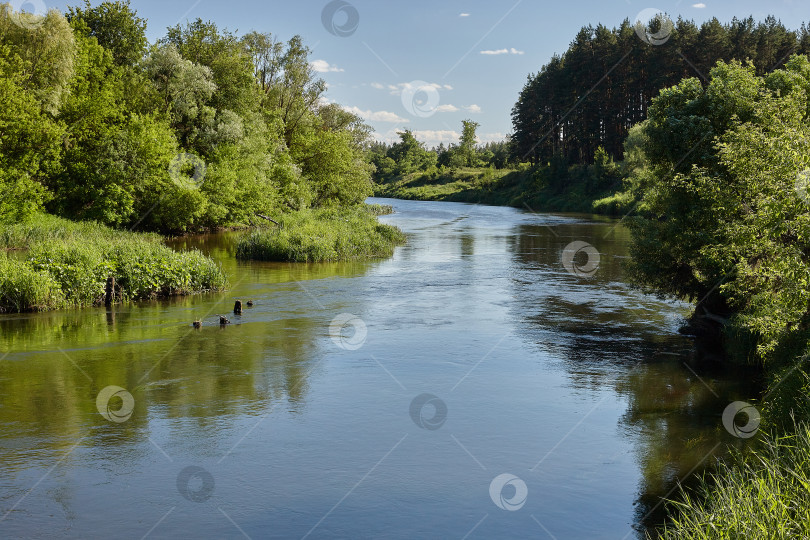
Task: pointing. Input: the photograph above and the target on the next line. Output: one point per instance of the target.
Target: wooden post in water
(109, 297)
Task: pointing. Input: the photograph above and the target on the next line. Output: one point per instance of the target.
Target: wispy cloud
(432, 137)
(496, 52)
(463, 14)
(473, 108)
(396, 89)
(377, 116)
(491, 137)
(322, 66)
(700, 5)
(446, 108)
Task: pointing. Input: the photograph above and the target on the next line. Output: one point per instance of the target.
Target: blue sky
(453, 59)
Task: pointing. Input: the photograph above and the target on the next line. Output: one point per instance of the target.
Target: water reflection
(609, 335)
(184, 382)
(580, 387)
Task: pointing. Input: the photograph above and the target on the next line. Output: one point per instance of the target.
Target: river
(484, 382)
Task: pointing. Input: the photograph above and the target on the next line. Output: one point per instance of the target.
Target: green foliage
(67, 263)
(763, 494)
(95, 128)
(29, 139)
(409, 155)
(728, 226)
(185, 89)
(722, 173)
(116, 27)
(45, 48)
(620, 74)
(467, 142)
(23, 288)
(322, 236)
(554, 187)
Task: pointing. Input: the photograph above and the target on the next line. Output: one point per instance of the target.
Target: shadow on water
(607, 334)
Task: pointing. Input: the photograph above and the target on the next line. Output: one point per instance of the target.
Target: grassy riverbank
(543, 189)
(761, 494)
(323, 235)
(50, 263)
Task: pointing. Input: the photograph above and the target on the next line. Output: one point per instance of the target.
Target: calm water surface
(380, 399)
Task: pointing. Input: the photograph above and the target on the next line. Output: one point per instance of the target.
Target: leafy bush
(68, 263)
(322, 235)
(22, 288)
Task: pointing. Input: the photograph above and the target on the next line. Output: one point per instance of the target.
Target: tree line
(592, 94)
(408, 155)
(200, 130)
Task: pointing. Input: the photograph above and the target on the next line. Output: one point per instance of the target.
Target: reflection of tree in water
(48, 403)
(608, 335)
(676, 421)
(190, 387)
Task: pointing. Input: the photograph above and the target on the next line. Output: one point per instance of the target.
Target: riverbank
(324, 235)
(50, 263)
(579, 188)
(759, 494)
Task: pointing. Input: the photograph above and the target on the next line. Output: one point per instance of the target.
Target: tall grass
(334, 234)
(760, 494)
(67, 264)
(380, 209)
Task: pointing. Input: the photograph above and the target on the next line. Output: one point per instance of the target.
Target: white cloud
(497, 52)
(700, 5)
(491, 137)
(389, 136)
(432, 137)
(450, 108)
(322, 66)
(446, 108)
(463, 14)
(377, 116)
(396, 89)
(377, 85)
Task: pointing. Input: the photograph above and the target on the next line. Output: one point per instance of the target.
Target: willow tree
(46, 46)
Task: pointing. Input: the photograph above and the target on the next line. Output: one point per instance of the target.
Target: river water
(484, 382)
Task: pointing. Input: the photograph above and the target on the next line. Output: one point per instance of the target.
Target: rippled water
(469, 386)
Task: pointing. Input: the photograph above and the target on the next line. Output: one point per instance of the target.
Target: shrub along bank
(50, 263)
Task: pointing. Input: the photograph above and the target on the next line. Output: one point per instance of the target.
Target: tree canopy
(726, 218)
(202, 129)
(592, 94)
